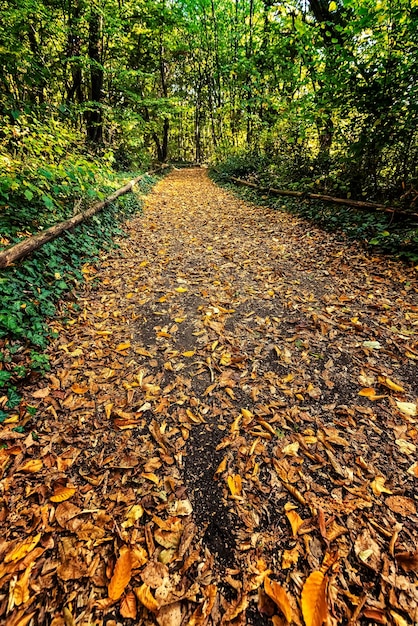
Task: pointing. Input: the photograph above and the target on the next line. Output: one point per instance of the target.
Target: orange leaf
(295, 521)
(278, 594)
(31, 466)
(314, 602)
(123, 346)
(235, 484)
(80, 389)
(22, 549)
(128, 606)
(63, 493)
(370, 393)
(121, 574)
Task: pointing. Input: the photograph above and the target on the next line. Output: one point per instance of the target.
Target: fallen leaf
(41, 393)
(128, 606)
(22, 549)
(407, 408)
(79, 389)
(291, 449)
(402, 505)
(181, 289)
(32, 466)
(21, 592)
(121, 574)
(235, 484)
(408, 560)
(378, 486)
(387, 382)
(370, 393)
(314, 602)
(63, 493)
(279, 595)
(146, 598)
(406, 447)
(123, 346)
(295, 521)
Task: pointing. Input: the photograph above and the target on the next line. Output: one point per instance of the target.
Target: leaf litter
(228, 432)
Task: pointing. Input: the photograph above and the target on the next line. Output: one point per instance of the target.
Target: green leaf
(28, 195)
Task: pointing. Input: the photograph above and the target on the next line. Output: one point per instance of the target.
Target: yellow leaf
(279, 596)
(22, 549)
(63, 493)
(225, 358)
(181, 289)
(295, 521)
(121, 574)
(222, 466)
(189, 353)
(235, 484)
(31, 466)
(290, 557)
(407, 408)
(413, 470)
(387, 382)
(179, 320)
(291, 449)
(135, 513)
(314, 602)
(151, 476)
(146, 598)
(332, 6)
(378, 486)
(406, 447)
(21, 590)
(123, 346)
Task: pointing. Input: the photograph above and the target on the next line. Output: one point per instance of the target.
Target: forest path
(234, 402)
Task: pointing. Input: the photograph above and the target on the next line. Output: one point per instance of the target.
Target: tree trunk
(94, 116)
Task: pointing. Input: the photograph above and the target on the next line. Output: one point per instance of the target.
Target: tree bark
(94, 117)
(358, 204)
(27, 246)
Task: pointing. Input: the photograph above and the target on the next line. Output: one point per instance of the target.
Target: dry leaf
(314, 601)
(123, 346)
(128, 606)
(63, 493)
(235, 484)
(32, 466)
(21, 589)
(387, 382)
(408, 560)
(22, 549)
(402, 505)
(295, 521)
(279, 595)
(146, 598)
(370, 393)
(79, 389)
(291, 449)
(378, 486)
(121, 574)
(406, 447)
(407, 408)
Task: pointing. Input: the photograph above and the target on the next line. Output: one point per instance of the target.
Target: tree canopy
(323, 91)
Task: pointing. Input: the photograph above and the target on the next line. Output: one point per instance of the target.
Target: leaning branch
(357, 204)
(22, 249)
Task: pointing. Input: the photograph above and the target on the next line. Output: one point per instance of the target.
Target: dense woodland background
(314, 92)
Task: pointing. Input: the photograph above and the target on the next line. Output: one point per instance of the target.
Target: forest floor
(228, 432)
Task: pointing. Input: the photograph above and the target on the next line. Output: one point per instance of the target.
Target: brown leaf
(279, 595)
(295, 521)
(235, 484)
(402, 505)
(387, 382)
(66, 511)
(314, 601)
(408, 560)
(121, 574)
(128, 606)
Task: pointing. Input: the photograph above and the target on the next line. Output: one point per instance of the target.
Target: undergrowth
(383, 232)
(31, 289)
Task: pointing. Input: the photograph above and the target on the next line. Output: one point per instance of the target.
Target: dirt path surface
(227, 435)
